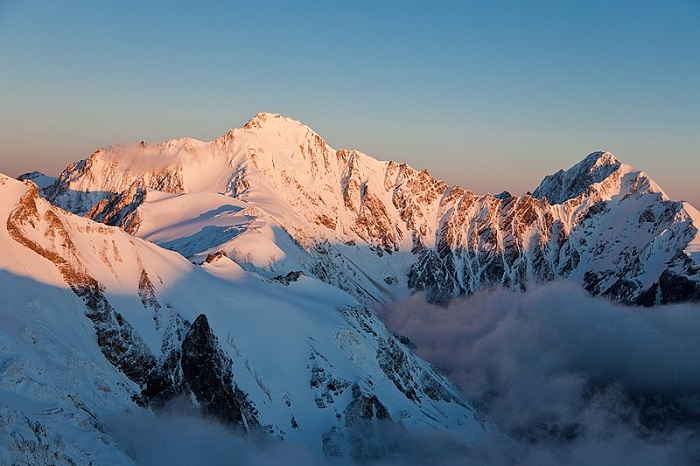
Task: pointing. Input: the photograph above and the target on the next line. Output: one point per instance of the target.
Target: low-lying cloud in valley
(571, 378)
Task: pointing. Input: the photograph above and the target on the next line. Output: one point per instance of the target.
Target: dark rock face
(207, 373)
(292, 276)
(147, 293)
(678, 288)
(365, 420)
(326, 386)
(395, 364)
(195, 365)
(364, 408)
(435, 276)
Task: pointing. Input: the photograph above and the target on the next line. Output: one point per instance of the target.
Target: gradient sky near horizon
(490, 95)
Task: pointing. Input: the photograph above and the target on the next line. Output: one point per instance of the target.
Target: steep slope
(97, 322)
(276, 198)
(53, 377)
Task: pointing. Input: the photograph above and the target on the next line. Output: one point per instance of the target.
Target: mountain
(99, 324)
(276, 198)
(236, 277)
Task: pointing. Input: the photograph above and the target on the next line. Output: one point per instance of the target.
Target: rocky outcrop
(120, 209)
(207, 373)
(289, 278)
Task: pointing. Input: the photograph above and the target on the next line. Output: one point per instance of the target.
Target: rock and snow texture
(236, 273)
(598, 176)
(98, 323)
(276, 198)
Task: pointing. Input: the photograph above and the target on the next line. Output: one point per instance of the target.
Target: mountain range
(276, 198)
(239, 275)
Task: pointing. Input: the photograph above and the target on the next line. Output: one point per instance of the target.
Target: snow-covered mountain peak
(270, 124)
(599, 176)
(600, 158)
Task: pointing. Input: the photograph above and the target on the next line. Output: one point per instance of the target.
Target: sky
(492, 95)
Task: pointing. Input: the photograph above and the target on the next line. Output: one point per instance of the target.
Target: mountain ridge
(310, 203)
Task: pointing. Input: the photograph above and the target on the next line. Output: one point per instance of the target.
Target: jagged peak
(597, 166)
(592, 174)
(600, 158)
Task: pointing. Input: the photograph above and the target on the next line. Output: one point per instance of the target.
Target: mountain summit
(599, 175)
(275, 197)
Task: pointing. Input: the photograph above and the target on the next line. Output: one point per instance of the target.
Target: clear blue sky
(491, 95)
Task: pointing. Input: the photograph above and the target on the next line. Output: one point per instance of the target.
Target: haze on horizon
(488, 97)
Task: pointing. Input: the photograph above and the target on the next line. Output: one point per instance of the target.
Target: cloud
(187, 439)
(574, 379)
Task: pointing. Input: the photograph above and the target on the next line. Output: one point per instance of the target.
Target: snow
(49, 350)
(256, 193)
(600, 173)
(50, 364)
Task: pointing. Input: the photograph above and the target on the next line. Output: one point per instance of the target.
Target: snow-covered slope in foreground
(98, 323)
(277, 198)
